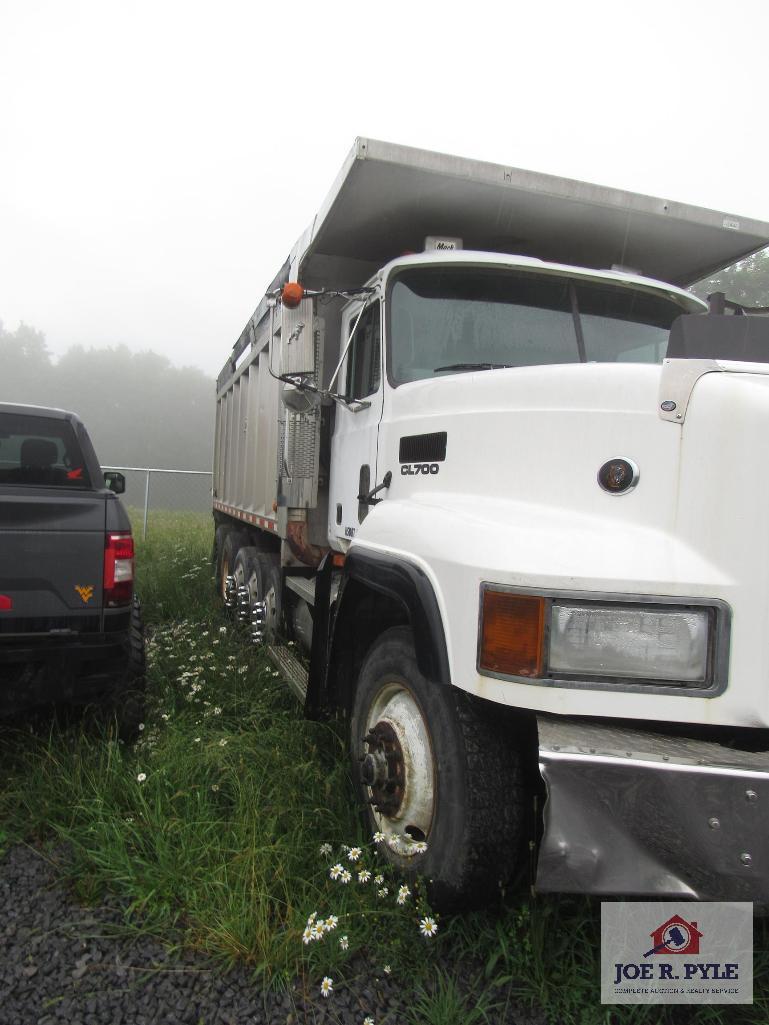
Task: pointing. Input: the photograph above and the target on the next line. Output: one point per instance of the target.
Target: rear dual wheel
(433, 767)
(257, 580)
(227, 543)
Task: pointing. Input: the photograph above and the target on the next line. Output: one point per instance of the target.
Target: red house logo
(676, 936)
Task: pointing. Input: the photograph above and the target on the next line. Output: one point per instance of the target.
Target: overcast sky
(158, 159)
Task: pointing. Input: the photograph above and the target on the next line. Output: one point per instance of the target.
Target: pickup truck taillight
(118, 569)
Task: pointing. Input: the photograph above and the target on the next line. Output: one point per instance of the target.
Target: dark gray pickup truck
(70, 625)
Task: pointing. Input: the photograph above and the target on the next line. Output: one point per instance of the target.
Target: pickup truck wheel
(125, 702)
(431, 765)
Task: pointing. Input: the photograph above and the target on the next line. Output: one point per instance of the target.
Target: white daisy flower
(345, 876)
(223, 742)
(383, 891)
(217, 710)
(317, 931)
(326, 987)
(307, 935)
(403, 894)
(368, 1020)
(331, 923)
(354, 853)
(336, 871)
(364, 876)
(312, 918)
(325, 849)
(344, 943)
(379, 879)
(387, 969)
(141, 777)
(428, 926)
(378, 837)
(420, 847)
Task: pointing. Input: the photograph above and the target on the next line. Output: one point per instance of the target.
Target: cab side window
(364, 356)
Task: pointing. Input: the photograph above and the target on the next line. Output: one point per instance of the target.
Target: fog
(159, 159)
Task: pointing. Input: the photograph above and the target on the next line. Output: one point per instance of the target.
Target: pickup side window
(42, 452)
(364, 357)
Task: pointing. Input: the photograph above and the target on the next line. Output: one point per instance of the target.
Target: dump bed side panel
(246, 451)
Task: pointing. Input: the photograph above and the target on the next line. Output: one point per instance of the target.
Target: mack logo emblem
(86, 593)
(409, 469)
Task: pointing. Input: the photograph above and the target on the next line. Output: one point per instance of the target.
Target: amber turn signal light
(512, 633)
(292, 294)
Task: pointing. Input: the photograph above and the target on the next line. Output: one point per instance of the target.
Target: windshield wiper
(474, 366)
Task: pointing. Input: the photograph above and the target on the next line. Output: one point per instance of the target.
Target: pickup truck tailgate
(51, 557)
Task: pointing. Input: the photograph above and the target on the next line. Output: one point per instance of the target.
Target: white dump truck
(499, 477)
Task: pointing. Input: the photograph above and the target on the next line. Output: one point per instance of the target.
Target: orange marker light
(512, 634)
(292, 295)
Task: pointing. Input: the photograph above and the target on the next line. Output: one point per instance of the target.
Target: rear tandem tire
(444, 772)
(259, 573)
(231, 542)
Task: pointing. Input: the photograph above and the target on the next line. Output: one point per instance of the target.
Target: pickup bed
(70, 625)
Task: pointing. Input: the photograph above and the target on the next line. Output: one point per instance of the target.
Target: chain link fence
(148, 489)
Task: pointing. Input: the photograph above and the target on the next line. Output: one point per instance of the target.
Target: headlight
(580, 641)
(643, 643)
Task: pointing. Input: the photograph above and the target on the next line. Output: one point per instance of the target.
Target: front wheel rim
(397, 769)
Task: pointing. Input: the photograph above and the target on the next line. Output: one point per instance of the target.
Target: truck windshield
(451, 319)
(42, 451)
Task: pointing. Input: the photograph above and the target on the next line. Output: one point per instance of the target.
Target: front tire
(431, 765)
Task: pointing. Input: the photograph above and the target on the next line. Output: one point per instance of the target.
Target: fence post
(146, 504)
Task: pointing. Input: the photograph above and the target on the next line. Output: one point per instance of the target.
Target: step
(290, 668)
(303, 586)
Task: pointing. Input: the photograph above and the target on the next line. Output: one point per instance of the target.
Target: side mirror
(114, 481)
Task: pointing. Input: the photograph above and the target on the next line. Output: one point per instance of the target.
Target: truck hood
(540, 435)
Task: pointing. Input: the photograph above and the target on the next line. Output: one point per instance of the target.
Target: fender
(400, 581)
(410, 587)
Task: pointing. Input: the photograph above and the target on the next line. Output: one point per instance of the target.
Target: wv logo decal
(86, 593)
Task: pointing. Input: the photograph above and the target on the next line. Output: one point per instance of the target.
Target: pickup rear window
(42, 452)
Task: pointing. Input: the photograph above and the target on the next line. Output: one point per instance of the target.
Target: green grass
(218, 848)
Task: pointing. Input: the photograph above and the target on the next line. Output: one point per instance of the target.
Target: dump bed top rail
(387, 198)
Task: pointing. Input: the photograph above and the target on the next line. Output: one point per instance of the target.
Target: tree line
(139, 408)
(745, 282)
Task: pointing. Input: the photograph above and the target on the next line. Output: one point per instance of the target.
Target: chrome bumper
(636, 813)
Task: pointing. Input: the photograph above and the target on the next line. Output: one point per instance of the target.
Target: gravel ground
(60, 963)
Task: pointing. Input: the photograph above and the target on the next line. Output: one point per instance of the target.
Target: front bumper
(636, 813)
